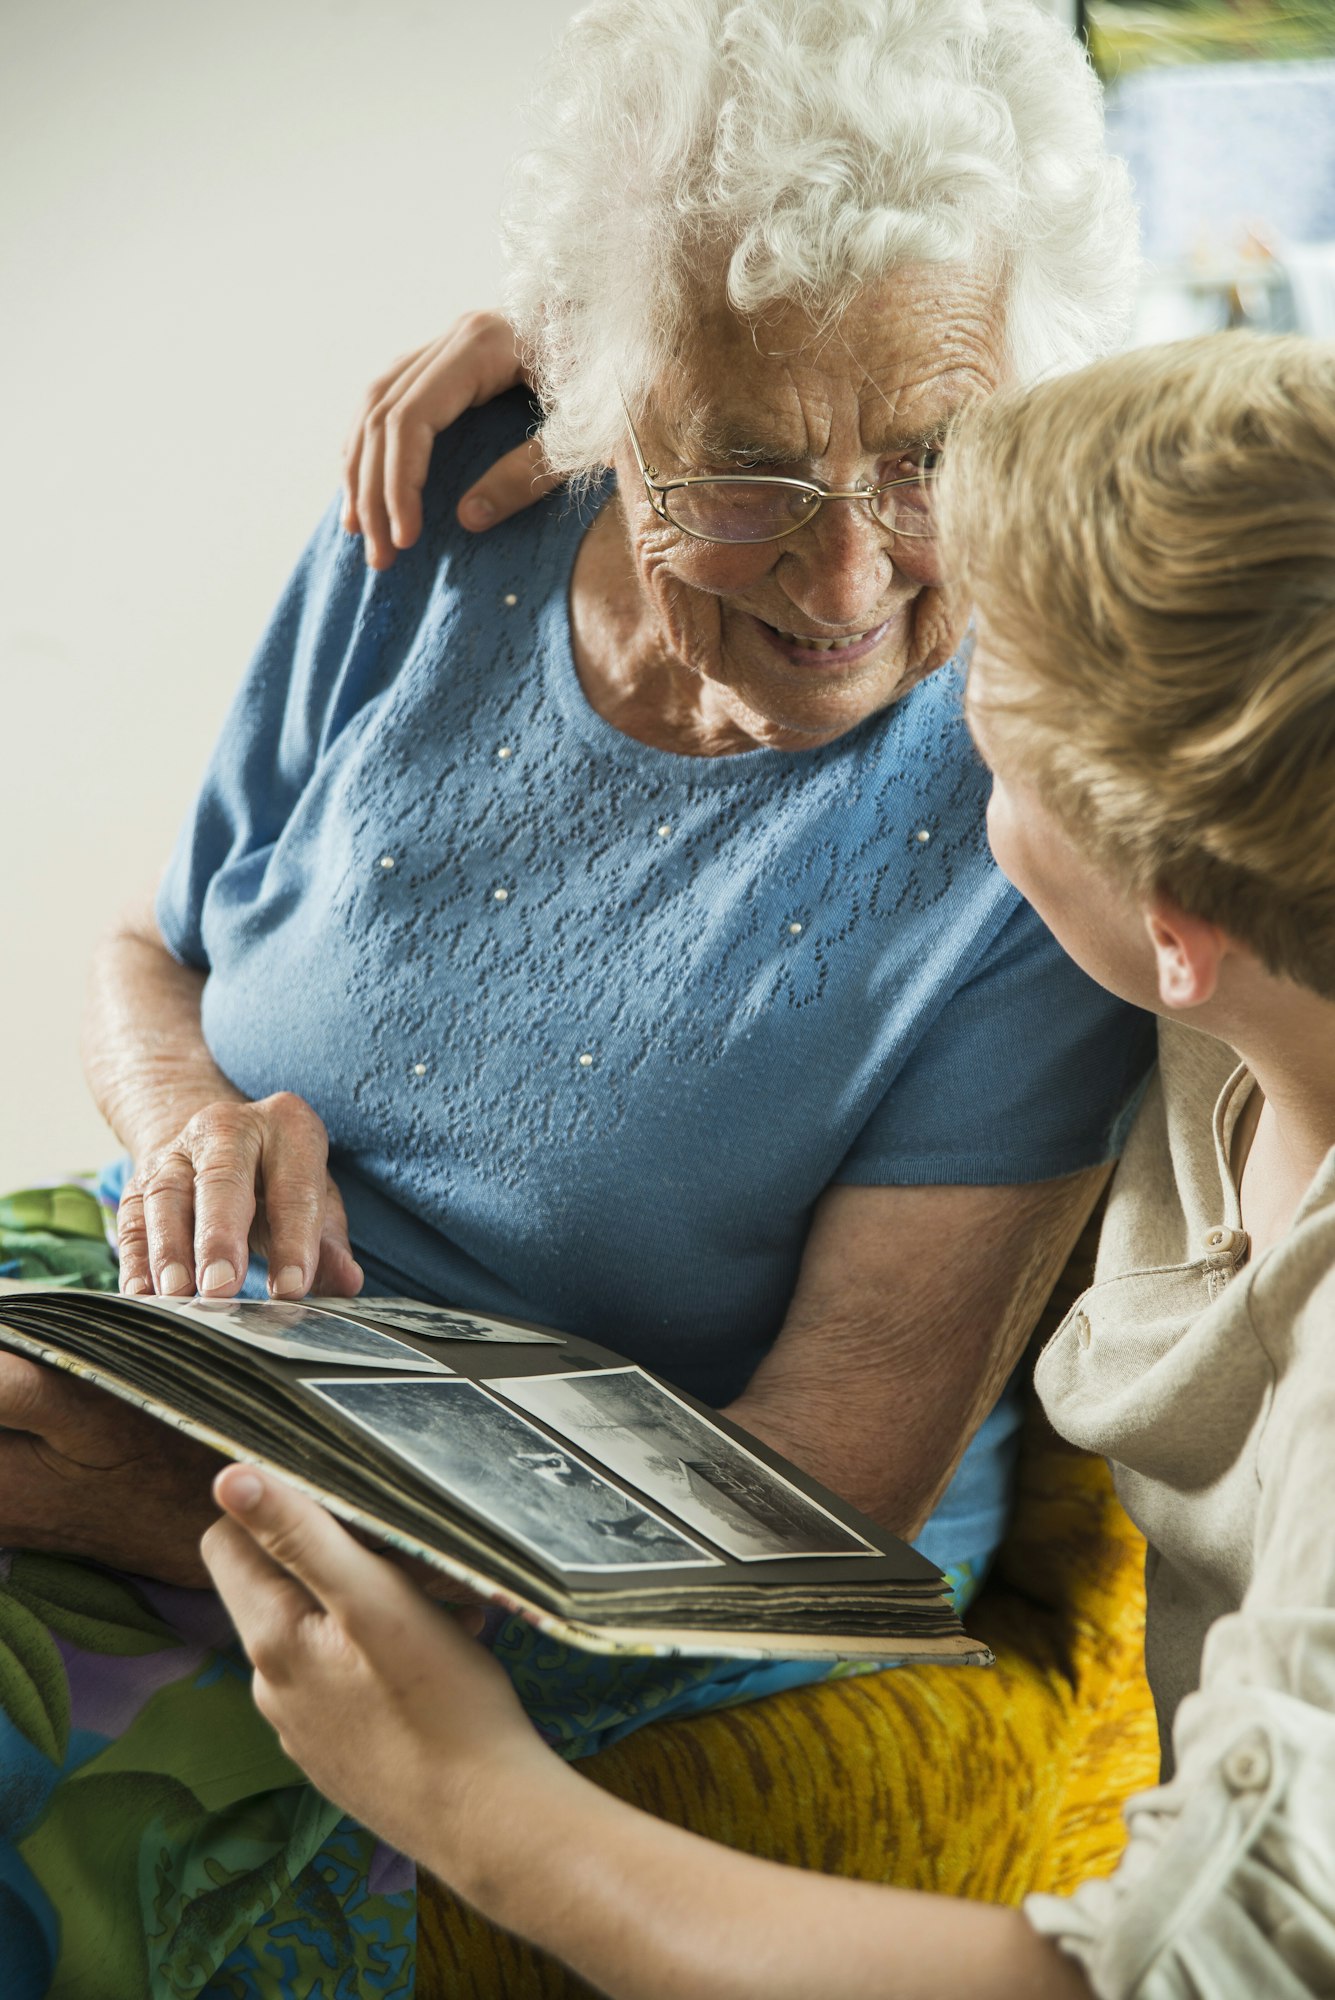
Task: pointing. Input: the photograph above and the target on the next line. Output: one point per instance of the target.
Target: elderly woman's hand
(215, 1175)
(84, 1474)
(377, 1693)
(420, 395)
(238, 1176)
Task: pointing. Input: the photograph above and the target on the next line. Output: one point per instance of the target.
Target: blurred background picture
(1126, 35)
(1225, 112)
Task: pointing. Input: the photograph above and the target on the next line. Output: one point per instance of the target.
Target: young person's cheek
(1002, 836)
(1078, 906)
(1045, 877)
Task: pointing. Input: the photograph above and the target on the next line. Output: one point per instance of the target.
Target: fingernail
(290, 1279)
(245, 1491)
(175, 1278)
(135, 1288)
(476, 512)
(217, 1275)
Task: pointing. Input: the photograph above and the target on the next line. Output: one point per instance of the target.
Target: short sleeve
(311, 670)
(1028, 1072)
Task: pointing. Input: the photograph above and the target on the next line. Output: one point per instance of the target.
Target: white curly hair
(800, 150)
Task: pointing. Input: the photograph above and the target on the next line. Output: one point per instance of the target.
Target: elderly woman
(594, 922)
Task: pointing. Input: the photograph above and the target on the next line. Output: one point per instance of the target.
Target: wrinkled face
(809, 635)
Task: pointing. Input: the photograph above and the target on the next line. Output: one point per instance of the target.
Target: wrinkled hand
(84, 1474)
(239, 1176)
(377, 1694)
(388, 450)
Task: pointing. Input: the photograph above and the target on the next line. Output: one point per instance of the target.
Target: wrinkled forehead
(886, 372)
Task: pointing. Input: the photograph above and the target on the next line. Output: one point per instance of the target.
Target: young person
(1151, 545)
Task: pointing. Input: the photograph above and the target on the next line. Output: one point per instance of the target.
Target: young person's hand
(382, 1698)
(401, 1719)
(389, 447)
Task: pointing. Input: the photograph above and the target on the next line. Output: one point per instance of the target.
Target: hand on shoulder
(388, 451)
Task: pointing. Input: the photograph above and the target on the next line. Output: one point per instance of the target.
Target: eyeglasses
(764, 507)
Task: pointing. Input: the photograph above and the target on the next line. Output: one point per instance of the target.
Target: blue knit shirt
(592, 1025)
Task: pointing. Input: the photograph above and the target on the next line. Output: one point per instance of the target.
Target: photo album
(551, 1476)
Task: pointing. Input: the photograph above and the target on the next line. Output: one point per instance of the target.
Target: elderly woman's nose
(844, 566)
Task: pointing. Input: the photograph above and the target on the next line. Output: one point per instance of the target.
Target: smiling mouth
(826, 645)
(805, 649)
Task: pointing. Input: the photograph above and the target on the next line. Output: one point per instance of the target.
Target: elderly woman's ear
(404, 411)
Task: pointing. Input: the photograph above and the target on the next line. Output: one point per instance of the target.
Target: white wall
(215, 224)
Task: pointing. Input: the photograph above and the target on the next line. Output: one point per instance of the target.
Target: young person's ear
(1188, 952)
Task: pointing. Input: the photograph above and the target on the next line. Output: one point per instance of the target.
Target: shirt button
(1084, 1333)
(1247, 1765)
(1222, 1241)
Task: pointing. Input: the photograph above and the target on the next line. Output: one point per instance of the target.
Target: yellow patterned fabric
(970, 1782)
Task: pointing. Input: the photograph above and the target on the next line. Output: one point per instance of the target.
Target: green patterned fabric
(57, 1236)
(154, 1839)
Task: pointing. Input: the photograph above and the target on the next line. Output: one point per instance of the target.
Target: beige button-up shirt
(1209, 1382)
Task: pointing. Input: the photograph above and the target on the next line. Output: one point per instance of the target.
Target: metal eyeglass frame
(658, 489)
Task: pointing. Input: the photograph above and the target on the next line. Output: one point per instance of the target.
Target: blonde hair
(1151, 545)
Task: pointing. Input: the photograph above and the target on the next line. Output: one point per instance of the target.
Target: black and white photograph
(296, 1333)
(544, 1498)
(638, 1429)
(434, 1322)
